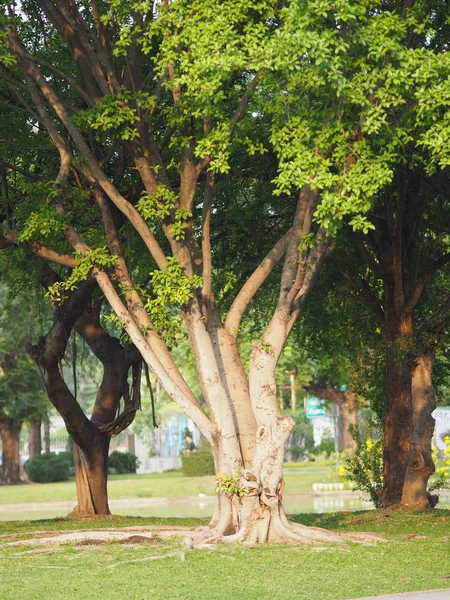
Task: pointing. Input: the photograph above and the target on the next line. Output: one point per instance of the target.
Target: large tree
(174, 100)
(401, 271)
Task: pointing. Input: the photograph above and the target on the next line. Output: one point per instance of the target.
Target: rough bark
(398, 416)
(13, 473)
(420, 463)
(35, 440)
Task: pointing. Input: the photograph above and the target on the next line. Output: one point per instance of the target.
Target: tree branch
(206, 237)
(253, 284)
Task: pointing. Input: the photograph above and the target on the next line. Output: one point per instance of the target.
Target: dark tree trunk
(13, 473)
(91, 437)
(35, 440)
(398, 422)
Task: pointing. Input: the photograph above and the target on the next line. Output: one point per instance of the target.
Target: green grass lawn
(159, 485)
(414, 557)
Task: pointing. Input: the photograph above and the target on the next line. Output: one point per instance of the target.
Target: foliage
(326, 443)
(441, 478)
(365, 469)
(199, 463)
(122, 462)
(47, 468)
(21, 394)
(230, 484)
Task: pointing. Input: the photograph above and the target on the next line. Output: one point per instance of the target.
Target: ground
(414, 557)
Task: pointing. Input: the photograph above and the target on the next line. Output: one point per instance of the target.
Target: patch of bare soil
(139, 539)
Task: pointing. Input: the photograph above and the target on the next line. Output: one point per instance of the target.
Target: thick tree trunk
(398, 426)
(398, 421)
(35, 440)
(420, 463)
(91, 474)
(13, 473)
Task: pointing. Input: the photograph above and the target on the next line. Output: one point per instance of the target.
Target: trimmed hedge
(198, 463)
(122, 462)
(47, 468)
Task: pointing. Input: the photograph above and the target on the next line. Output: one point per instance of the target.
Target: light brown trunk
(293, 394)
(13, 473)
(91, 473)
(35, 440)
(420, 463)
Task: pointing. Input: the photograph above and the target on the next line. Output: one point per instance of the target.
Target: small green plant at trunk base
(230, 484)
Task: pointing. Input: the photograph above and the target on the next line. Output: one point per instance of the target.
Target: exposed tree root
(265, 521)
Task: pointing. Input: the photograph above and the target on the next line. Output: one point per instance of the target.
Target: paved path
(426, 595)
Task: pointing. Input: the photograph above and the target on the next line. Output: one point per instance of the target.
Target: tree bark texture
(398, 426)
(13, 473)
(35, 439)
(420, 462)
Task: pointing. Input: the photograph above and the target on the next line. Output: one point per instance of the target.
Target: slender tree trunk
(420, 463)
(398, 423)
(293, 394)
(349, 412)
(13, 473)
(91, 472)
(47, 448)
(35, 440)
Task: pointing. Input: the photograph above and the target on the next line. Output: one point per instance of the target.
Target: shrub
(365, 469)
(46, 468)
(69, 457)
(326, 446)
(296, 453)
(122, 462)
(198, 463)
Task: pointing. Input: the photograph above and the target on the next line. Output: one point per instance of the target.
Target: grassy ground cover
(159, 485)
(414, 557)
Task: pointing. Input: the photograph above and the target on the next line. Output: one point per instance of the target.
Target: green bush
(365, 469)
(326, 445)
(69, 457)
(122, 462)
(198, 463)
(47, 468)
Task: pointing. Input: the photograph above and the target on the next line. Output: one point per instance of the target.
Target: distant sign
(315, 407)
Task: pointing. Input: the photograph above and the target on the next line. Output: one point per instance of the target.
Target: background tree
(401, 271)
(21, 395)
